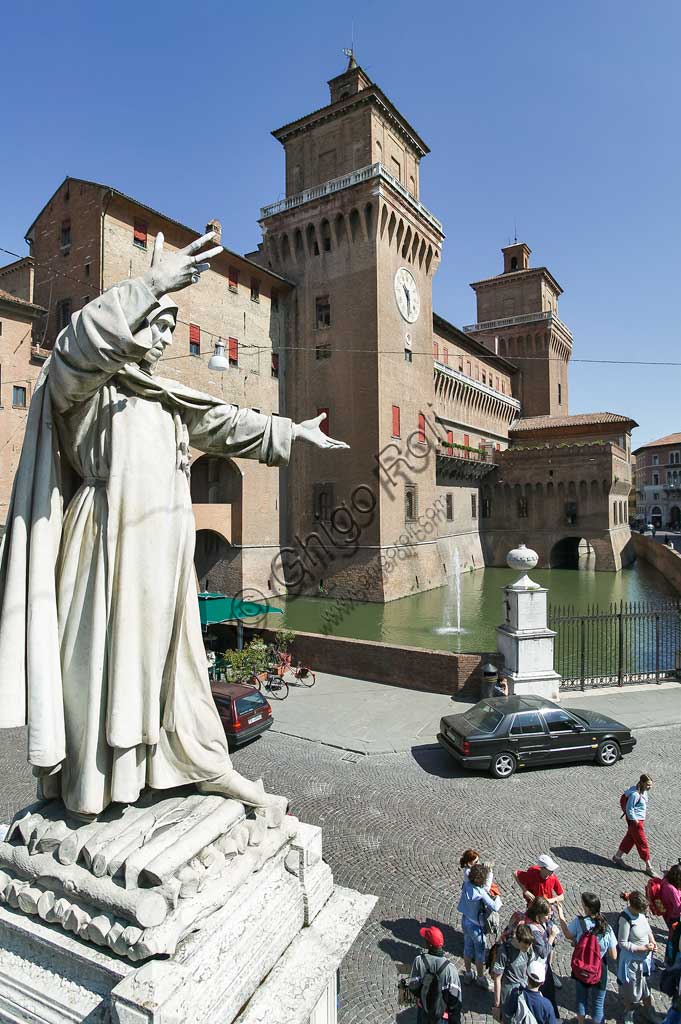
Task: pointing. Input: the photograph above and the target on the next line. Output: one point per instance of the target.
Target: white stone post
(524, 639)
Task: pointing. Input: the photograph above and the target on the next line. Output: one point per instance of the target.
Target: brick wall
(16, 368)
(662, 558)
(414, 668)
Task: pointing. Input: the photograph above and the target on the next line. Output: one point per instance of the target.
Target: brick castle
(461, 440)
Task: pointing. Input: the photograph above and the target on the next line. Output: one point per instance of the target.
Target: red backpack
(587, 962)
(654, 896)
(623, 804)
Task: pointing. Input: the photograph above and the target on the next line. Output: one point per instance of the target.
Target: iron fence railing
(629, 642)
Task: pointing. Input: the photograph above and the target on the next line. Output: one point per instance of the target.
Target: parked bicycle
(281, 664)
(304, 676)
(274, 685)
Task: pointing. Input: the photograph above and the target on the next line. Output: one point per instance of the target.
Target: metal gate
(629, 642)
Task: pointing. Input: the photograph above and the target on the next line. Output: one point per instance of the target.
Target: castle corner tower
(517, 314)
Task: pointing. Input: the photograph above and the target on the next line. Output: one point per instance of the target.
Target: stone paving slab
(395, 824)
(373, 718)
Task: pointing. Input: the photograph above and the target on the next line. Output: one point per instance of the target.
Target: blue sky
(560, 118)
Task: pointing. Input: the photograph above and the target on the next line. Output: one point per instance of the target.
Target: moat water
(426, 620)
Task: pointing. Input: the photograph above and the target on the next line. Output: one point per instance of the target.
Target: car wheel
(503, 766)
(608, 753)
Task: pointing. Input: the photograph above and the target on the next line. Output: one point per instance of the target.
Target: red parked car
(243, 711)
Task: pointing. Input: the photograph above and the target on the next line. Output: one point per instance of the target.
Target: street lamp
(218, 360)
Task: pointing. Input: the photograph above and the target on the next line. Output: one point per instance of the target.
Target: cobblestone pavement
(395, 825)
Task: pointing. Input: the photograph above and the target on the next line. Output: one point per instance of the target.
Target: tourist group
(515, 961)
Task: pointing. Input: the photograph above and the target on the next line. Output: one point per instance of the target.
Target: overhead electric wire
(310, 349)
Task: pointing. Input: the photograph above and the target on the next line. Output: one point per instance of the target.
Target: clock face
(407, 295)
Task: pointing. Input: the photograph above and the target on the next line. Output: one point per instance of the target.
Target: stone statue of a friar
(101, 651)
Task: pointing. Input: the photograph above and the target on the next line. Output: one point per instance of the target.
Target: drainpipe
(105, 207)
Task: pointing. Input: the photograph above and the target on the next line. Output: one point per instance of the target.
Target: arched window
(326, 236)
(369, 219)
(341, 230)
(312, 244)
(514, 262)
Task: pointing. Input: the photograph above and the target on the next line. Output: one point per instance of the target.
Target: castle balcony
(327, 188)
(461, 462)
(524, 318)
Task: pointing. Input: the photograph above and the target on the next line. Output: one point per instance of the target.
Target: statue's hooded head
(161, 323)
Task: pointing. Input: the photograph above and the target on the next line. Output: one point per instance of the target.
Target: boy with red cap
(435, 981)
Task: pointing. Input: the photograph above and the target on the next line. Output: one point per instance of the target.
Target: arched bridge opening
(572, 553)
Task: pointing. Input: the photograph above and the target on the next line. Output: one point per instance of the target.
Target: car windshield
(484, 717)
(251, 702)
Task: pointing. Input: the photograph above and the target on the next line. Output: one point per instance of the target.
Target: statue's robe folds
(100, 638)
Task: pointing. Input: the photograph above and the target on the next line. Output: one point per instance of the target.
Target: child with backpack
(634, 966)
(512, 957)
(594, 941)
(634, 804)
(527, 1005)
(434, 980)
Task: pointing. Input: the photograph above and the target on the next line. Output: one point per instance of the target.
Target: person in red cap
(434, 980)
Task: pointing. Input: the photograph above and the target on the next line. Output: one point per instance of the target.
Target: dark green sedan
(501, 734)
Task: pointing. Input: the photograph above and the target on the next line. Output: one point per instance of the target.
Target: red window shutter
(445, 356)
(466, 441)
(450, 440)
(324, 425)
(233, 350)
(422, 428)
(140, 232)
(194, 334)
(275, 364)
(396, 421)
(435, 351)
(233, 277)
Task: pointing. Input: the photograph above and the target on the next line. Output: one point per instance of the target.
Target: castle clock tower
(362, 250)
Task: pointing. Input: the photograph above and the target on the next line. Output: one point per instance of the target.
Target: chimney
(216, 227)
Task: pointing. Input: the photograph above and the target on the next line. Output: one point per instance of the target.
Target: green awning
(219, 608)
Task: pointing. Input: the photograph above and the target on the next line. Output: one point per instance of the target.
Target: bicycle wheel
(306, 677)
(277, 688)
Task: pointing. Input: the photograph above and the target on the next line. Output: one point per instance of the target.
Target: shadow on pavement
(436, 761)
(407, 943)
(578, 855)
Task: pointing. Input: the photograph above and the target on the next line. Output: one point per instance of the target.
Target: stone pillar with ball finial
(524, 639)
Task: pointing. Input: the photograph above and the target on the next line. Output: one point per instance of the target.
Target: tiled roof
(667, 439)
(530, 423)
(14, 300)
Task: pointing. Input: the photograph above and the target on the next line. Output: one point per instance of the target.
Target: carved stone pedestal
(524, 639)
(258, 939)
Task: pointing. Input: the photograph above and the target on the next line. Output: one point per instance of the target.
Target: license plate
(256, 718)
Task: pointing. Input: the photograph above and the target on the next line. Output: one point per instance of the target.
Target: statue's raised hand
(172, 271)
(310, 431)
